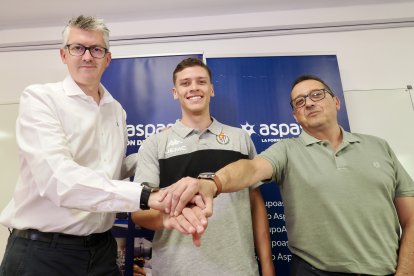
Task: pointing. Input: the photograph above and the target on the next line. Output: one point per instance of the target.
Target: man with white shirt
(72, 142)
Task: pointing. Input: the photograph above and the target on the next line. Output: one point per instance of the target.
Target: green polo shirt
(339, 208)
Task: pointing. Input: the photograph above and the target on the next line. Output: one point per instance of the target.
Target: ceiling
(17, 14)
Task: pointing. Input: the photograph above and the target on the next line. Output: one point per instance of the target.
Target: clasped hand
(185, 206)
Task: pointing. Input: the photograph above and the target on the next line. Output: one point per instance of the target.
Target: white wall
(368, 59)
(8, 161)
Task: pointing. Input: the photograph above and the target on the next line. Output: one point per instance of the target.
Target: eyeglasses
(79, 50)
(314, 95)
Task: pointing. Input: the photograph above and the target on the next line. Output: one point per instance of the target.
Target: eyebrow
(197, 78)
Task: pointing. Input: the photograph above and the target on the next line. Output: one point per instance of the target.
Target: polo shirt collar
(347, 138)
(216, 127)
(183, 130)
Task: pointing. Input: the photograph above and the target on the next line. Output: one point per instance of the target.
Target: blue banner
(252, 93)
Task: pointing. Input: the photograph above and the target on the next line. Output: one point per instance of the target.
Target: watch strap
(213, 177)
(219, 185)
(145, 194)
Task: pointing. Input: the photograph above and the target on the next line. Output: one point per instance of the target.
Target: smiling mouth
(194, 98)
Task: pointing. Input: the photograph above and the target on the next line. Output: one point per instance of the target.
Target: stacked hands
(185, 206)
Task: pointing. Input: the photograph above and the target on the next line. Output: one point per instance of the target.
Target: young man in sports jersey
(195, 146)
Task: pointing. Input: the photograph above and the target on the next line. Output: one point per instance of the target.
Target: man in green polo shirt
(346, 195)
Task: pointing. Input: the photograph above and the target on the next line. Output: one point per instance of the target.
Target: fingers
(166, 198)
(139, 271)
(186, 189)
(175, 198)
(197, 239)
(196, 218)
(198, 201)
(171, 223)
(170, 196)
(191, 221)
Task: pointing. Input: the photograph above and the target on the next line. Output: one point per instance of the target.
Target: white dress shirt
(72, 155)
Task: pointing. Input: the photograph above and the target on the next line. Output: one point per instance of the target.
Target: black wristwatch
(212, 176)
(147, 189)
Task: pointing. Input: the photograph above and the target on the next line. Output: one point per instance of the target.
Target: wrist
(147, 199)
(152, 201)
(212, 177)
(207, 187)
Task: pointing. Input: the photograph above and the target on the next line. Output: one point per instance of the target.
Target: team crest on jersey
(223, 138)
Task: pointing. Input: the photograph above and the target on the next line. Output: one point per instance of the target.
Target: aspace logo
(268, 132)
(138, 133)
(272, 132)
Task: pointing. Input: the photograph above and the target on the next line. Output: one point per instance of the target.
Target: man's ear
(337, 103)
(108, 59)
(63, 55)
(174, 92)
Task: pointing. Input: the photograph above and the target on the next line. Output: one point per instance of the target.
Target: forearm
(129, 166)
(150, 219)
(261, 233)
(244, 173)
(264, 252)
(233, 177)
(405, 265)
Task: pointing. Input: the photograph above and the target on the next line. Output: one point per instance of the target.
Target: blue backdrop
(250, 92)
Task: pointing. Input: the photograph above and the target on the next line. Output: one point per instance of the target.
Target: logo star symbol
(248, 128)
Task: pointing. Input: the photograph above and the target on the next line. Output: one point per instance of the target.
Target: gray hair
(87, 23)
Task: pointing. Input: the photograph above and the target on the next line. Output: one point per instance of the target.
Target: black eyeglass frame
(308, 96)
(85, 49)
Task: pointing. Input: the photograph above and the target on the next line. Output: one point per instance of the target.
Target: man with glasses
(72, 143)
(345, 195)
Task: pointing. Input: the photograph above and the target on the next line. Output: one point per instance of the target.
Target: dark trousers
(299, 267)
(34, 255)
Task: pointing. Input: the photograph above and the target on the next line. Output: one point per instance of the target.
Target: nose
(87, 55)
(194, 86)
(308, 102)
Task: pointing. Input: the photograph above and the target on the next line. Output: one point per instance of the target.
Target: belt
(59, 238)
(303, 265)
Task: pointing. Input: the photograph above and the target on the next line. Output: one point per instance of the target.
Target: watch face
(208, 175)
(150, 185)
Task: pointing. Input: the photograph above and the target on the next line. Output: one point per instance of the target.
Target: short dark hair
(311, 77)
(190, 62)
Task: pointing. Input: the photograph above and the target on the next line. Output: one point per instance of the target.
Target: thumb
(208, 210)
